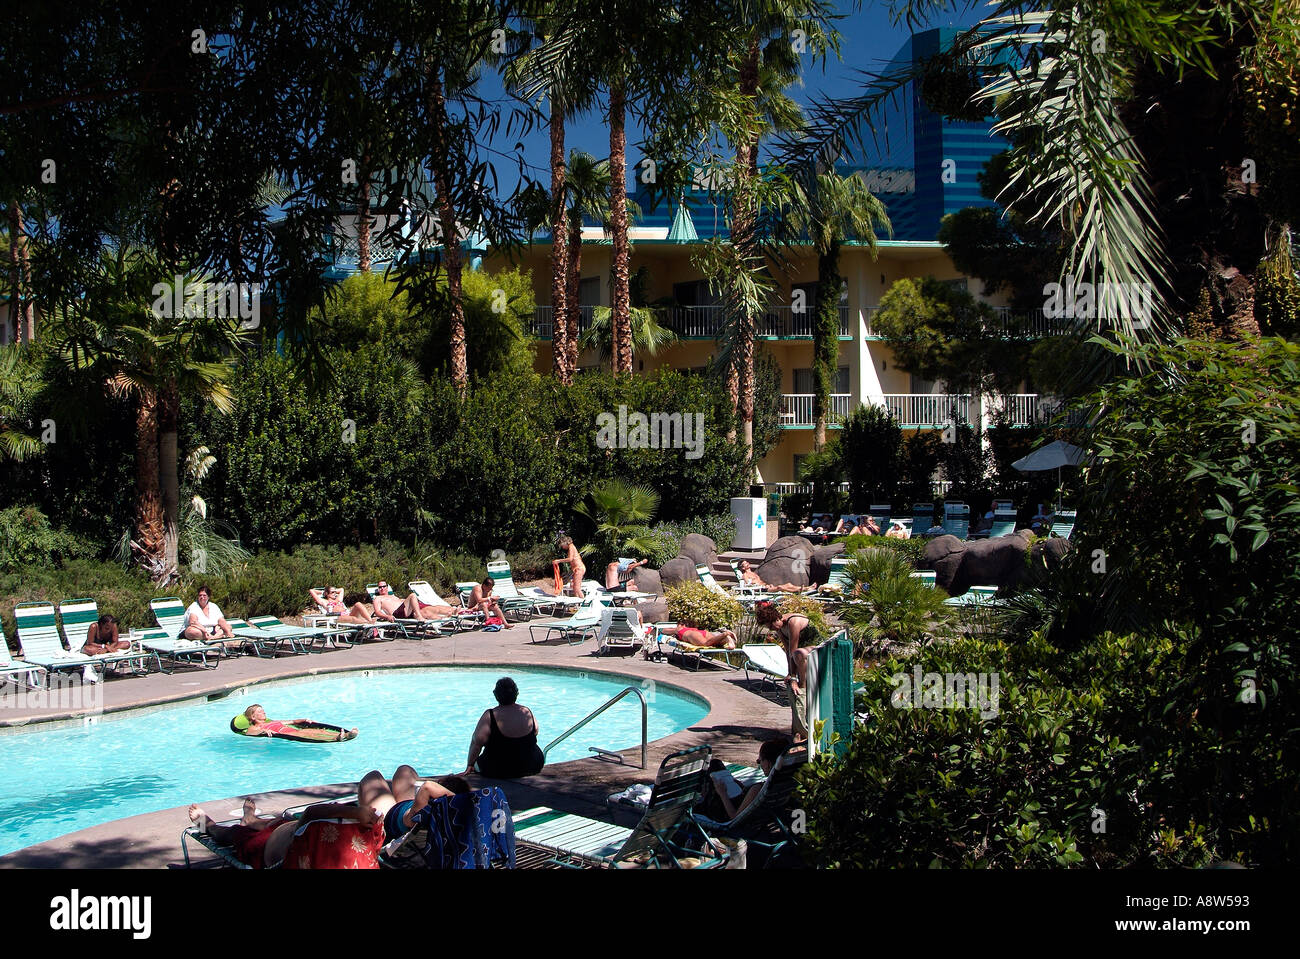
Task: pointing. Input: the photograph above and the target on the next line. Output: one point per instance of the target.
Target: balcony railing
(915, 410)
(708, 322)
(797, 409)
(544, 321)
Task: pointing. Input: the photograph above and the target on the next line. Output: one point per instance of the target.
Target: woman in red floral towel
(325, 836)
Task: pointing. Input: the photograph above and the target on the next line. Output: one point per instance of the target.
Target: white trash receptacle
(751, 523)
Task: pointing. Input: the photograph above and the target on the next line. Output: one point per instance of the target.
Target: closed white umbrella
(1050, 457)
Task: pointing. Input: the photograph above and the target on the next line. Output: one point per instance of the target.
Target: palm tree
(841, 208)
(569, 89)
(751, 103)
(649, 336)
(1110, 134)
(21, 383)
(117, 335)
(589, 191)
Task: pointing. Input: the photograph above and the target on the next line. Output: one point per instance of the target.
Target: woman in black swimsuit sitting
(505, 740)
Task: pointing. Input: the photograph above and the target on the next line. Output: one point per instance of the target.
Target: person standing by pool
(203, 620)
(504, 743)
(577, 568)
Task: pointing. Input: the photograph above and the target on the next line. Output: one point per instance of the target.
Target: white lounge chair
(619, 629)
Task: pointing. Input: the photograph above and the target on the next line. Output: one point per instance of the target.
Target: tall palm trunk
(363, 218)
(826, 349)
(574, 284)
(441, 161)
(559, 253)
(744, 241)
(620, 302)
(17, 310)
(149, 522)
(168, 416)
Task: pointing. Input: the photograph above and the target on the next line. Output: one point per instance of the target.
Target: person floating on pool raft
(253, 722)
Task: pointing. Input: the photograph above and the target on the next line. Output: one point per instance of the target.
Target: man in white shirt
(203, 620)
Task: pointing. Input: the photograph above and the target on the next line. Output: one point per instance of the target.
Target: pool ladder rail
(596, 712)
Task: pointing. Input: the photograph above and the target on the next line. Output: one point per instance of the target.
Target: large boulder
(788, 560)
(699, 548)
(997, 561)
(679, 570)
(653, 611)
(943, 554)
(648, 580)
(819, 566)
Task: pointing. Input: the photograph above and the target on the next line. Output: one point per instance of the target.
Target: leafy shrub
(27, 541)
(697, 605)
(908, 549)
(119, 592)
(1072, 737)
(664, 540)
(887, 606)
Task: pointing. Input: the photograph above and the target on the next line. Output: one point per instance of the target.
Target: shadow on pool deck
(738, 721)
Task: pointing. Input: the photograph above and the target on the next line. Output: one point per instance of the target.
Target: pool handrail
(596, 712)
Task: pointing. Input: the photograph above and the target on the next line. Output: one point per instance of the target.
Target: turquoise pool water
(60, 780)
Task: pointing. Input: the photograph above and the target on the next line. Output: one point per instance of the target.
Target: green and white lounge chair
(975, 596)
(408, 628)
(180, 652)
(743, 593)
(581, 626)
(880, 513)
(1004, 523)
(512, 600)
(27, 675)
(1063, 523)
(170, 613)
(666, 834)
(466, 619)
(766, 821)
(667, 645)
(922, 517)
(956, 519)
(39, 641)
(77, 616)
(927, 576)
(620, 629)
(768, 660)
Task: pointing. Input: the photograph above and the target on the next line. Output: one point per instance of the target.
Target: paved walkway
(739, 719)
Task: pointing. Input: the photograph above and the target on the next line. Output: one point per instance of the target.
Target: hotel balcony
(782, 323)
(706, 322)
(923, 410)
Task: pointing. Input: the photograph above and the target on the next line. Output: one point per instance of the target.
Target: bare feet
(199, 817)
(250, 812)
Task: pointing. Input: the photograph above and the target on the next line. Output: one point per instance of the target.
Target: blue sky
(868, 42)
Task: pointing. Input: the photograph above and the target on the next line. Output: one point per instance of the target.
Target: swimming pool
(59, 780)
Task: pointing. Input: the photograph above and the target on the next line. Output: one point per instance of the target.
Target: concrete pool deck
(738, 721)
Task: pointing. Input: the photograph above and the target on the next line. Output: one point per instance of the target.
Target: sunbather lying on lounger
(102, 638)
(389, 607)
(330, 599)
(262, 843)
(411, 796)
(723, 638)
(751, 578)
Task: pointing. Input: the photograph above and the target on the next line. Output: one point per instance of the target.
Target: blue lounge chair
(956, 519)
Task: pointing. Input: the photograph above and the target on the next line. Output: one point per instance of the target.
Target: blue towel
(469, 831)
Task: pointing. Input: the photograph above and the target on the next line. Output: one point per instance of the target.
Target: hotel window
(803, 380)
